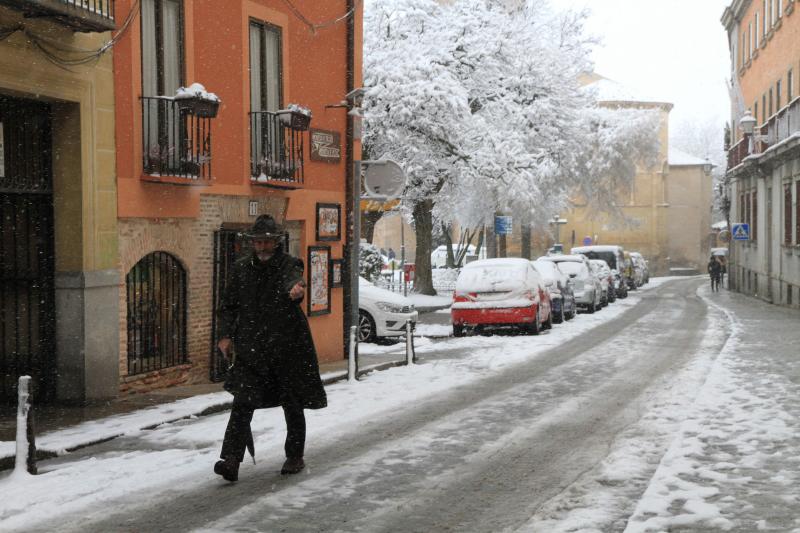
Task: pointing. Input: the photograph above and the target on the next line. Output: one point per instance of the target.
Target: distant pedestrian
(265, 335)
(391, 255)
(715, 271)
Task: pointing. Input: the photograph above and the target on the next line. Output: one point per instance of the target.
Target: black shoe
(293, 465)
(228, 469)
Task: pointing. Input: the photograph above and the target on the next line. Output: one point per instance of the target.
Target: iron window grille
(176, 141)
(156, 302)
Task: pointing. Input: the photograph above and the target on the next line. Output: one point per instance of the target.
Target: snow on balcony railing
(778, 128)
(80, 15)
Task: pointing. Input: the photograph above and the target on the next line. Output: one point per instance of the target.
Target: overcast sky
(667, 50)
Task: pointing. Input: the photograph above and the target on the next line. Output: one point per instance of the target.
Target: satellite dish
(383, 179)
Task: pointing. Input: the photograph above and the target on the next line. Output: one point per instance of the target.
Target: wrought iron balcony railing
(777, 129)
(80, 15)
(276, 151)
(176, 142)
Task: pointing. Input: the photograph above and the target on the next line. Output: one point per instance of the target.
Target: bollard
(352, 368)
(26, 445)
(410, 356)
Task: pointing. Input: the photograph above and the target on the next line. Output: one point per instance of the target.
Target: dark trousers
(715, 280)
(238, 431)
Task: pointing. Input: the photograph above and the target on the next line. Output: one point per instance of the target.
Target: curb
(7, 462)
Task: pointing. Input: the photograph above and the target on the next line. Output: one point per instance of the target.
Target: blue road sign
(587, 241)
(502, 225)
(740, 232)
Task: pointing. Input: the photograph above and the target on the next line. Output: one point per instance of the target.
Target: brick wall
(191, 241)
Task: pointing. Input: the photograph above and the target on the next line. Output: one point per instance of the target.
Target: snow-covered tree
(480, 101)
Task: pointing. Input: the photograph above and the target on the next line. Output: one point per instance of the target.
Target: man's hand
(224, 346)
(298, 291)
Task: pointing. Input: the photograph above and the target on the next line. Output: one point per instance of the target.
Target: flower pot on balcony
(295, 117)
(200, 107)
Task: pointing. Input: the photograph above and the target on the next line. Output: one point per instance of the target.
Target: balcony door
(266, 82)
(162, 75)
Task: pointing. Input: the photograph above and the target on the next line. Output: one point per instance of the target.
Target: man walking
(715, 271)
(265, 335)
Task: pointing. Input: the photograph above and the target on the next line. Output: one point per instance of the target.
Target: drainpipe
(351, 239)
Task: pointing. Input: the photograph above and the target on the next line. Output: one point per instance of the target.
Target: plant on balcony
(197, 101)
(295, 116)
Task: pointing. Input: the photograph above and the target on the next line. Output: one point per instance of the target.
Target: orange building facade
(193, 172)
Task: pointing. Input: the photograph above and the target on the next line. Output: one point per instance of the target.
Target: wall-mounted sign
(326, 146)
(502, 225)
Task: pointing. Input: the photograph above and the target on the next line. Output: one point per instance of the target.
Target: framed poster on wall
(319, 287)
(329, 222)
(337, 266)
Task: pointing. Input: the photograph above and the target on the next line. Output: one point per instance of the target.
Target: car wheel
(560, 316)
(366, 327)
(592, 307)
(536, 327)
(458, 331)
(549, 323)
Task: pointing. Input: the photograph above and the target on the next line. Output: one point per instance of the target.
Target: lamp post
(557, 222)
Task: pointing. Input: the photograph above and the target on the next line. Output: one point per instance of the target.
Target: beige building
(59, 286)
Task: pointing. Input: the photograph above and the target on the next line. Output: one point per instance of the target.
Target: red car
(496, 293)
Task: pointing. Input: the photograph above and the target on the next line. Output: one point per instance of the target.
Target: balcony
(780, 127)
(79, 15)
(177, 143)
(276, 151)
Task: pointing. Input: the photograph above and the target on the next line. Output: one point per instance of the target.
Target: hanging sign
(502, 225)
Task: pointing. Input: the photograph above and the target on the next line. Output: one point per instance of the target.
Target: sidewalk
(61, 428)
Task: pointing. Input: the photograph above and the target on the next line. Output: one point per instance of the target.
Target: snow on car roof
(559, 258)
(597, 248)
(499, 262)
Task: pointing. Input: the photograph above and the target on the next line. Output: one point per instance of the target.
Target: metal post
(26, 446)
(403, 255)
(352, 358)
(355, 250)
(409, 345)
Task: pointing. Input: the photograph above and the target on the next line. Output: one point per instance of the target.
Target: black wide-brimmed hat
(265, 227)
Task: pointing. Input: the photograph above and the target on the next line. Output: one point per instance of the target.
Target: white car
(382, 313)
(439, 255)
(603, 274)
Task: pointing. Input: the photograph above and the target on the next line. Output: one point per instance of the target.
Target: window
(757, 32)
(162, 47)
(777, 96)
(746, 209)
(755, 110)
(156, 318)
(754, 214)
(797, 212)
(789, 86)
(765, 22)
(787, 214)
(265, 67)
(750, 40)
(744, 49)
(780, 7)
(771, 101)
(764, 115)
(771, 13)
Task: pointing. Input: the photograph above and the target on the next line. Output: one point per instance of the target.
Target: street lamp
(747, 123)
(707, 166)
(558, 221)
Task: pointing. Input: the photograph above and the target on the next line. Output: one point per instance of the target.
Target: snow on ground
(423, 300)
(433, 330)
(181, 453)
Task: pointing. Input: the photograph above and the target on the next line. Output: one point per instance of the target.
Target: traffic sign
(587, 241)
(741, 232)
(502, 225)
(383, 179)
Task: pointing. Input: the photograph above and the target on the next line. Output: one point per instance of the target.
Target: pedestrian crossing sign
(740, 232)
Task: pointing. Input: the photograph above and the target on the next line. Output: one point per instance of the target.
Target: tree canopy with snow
(480, 101)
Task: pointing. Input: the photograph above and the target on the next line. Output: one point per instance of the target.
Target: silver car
(586, 286)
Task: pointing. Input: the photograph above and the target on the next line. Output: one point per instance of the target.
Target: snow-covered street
(676, 408)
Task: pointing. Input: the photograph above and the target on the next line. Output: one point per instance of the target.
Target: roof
(679, 158)
(608, 91)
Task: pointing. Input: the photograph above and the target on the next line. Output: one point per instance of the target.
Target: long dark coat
(275, 362)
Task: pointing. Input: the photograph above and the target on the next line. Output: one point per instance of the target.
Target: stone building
(59, 293)
(763, 174)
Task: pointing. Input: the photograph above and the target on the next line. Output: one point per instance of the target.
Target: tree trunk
(491, 241)
(450, 262)
(423, 228)
(502, 246)
(368, 221)
(525, 237)
(480, 244)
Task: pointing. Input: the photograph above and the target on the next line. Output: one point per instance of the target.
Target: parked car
(507, 292)
(603, 273)
(615, 259)
(640, 265)
(562, 297)
(382, 313)
(585, 285)
(439, 255)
